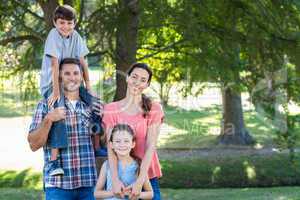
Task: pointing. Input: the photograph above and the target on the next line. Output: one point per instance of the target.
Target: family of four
(69, 121)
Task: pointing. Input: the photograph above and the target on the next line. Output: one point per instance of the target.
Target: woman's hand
(136, 190)
(118, 188)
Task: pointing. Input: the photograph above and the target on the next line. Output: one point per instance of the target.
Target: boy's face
(64, 27)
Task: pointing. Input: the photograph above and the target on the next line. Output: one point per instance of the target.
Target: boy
(63, 41)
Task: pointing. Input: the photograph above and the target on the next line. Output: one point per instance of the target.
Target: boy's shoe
(54, 168)
(101, 152)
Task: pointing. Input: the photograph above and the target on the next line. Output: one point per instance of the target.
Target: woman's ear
(133, 144)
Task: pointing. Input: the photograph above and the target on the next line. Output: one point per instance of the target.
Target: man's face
(71, 77)
(64, 27)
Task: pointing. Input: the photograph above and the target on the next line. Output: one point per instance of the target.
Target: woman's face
(137, 81)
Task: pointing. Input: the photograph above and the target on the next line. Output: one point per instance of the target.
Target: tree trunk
(233, 128)
(126, 44)
(48, 8)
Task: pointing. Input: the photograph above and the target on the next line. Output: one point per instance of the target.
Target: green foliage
(226, 171)
(26, 178)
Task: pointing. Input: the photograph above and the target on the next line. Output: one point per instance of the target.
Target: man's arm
(38, 137)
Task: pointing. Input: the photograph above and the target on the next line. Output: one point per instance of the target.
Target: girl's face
(122, 143)
(137, 81)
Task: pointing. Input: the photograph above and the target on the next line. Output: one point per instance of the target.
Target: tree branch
(161, 50)
(18, 39)
(28, 10)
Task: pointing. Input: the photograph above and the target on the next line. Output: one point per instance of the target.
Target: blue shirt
(127, 175)
(78, 159)
(59, 47)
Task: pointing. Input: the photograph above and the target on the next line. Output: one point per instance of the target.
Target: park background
(226, 72)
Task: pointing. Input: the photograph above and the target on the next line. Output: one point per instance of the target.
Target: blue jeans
(155, 186)
(83, 193)
(58, 137)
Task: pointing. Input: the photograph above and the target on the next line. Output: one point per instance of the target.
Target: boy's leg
(54, 153)
(58, 138)
(96, 119)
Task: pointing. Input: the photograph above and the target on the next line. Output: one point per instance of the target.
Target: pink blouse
(113, 115)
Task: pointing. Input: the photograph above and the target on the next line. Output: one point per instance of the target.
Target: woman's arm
(152, 136)
(148, 192)
(117, 185)
(99, 190)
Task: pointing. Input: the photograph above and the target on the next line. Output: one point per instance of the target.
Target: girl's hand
(53, 98)
(118, 188)
(136, 190)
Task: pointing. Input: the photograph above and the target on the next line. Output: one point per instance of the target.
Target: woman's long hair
(146, 101)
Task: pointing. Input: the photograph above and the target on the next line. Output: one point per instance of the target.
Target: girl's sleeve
(156, 114)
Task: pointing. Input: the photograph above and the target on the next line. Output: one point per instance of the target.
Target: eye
(134, 77)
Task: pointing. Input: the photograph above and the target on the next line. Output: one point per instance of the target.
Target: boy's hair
(65, 12)
(70, 61)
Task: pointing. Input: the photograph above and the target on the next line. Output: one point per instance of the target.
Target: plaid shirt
(78, 160)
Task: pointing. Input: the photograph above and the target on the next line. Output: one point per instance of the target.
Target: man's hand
(55, 96)
(118, 188)
(57, 114)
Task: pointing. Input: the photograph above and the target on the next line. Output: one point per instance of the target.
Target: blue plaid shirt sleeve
(39, 114)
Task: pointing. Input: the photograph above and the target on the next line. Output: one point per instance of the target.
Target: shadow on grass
(200, 128)
(193, 127)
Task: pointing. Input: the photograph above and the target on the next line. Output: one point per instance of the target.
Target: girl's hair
(146, 101)
(65, 12)
(128, 129)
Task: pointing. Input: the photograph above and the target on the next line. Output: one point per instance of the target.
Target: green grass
(18, 179)
(200, 128)
(276, 193)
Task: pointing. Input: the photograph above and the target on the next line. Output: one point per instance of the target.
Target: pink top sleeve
(156, 115)
(108, 120)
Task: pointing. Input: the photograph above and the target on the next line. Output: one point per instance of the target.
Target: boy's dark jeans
(58, 137)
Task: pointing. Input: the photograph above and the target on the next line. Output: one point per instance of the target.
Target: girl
(144, 117)
(122, 141)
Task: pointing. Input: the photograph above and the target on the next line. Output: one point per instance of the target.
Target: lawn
(276, 193)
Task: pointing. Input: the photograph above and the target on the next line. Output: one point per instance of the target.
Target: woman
(145, 118)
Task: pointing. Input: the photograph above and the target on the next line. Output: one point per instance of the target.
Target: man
(78, 160)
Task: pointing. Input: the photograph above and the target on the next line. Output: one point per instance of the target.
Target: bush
(245, 171)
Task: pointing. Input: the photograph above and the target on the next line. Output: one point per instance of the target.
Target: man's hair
(74, 61)
(65, 12)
